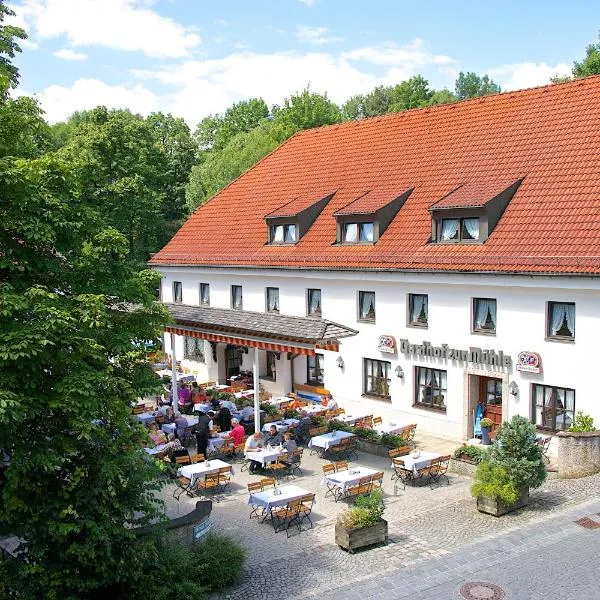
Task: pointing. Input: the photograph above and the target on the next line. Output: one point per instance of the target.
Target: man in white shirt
(254, 443)
(331, 403)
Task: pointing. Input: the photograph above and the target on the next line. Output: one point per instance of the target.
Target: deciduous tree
(471, 85)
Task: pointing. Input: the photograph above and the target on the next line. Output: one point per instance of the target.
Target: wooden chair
(286, 516)
(210, 486)
(225, 478)
(279, 467)
(138, 410)
(253, 488)
(341, 465)
(294, 461)
(183, 485)
(339, 451)
(402, 451)
(437, 469)
(401, 473)
(363, 487)
(408, 433)
(159, 420)
(329, 469)
(183, 460)
(377, 421)
(306, 504)
(377, 479)
(197, 458)
(267, 482)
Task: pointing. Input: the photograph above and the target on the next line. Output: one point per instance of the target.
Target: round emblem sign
(530, 362)
(387, 343)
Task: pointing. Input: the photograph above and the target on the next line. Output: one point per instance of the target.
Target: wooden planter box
(491, 506)
(461, 467)
(352, 539)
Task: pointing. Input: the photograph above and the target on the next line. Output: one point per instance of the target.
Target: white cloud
(59, 101)
(529, 74)
(67, 54)
(413, 54)
(315, 35)
(127, 25)
(308, 3)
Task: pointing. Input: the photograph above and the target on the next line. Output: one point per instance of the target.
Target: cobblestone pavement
(426, 527)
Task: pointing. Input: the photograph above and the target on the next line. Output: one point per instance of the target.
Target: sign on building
(529, 362)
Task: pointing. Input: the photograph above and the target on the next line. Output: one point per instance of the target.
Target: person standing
(203, 431)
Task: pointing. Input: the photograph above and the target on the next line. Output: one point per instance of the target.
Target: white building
(455, 250)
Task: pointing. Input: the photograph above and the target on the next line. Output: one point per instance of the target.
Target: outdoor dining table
(351, 419)
(390, 428)
(244, 394)
(278, 497)
(313, 409)
(345, 479)
(282, 426)
(264, 456)
(181, 377)
(327, 440)
(171, 427)
(278, 401)
(202, 408)
(419, 462)
(215, 443)
(199, 470)
(157, 450)
(146, 418)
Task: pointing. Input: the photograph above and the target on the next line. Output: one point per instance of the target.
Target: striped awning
(277, 333)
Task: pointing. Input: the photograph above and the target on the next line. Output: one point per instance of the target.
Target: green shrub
(318, 421)
(367, 511)
(366, 434)
(391, 440)
(269, 409)
(291, 413)
(493, 480)
(335, 425)
(475, 453)
(582, 423)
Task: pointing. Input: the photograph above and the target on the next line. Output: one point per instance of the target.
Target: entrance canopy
(266, 331)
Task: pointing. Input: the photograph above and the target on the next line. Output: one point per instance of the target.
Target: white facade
(521, 326)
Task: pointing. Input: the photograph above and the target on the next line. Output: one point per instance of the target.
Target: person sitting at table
(237, 432)
(229, 404)
(273, 438)
(157, 436)
(330, 403)
(214, 402)
(166, 398)
(181, 425)
(200, 397)
(288, 442)
(254, 444)
(184, 398)
(169, 415)
(247, 413)
(295, 404)
(171, 446)
(224, 419)
(302, 427)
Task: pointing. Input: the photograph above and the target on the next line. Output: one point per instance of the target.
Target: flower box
(492, 506)
(352, 539)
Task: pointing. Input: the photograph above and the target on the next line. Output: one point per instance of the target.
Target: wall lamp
(513, 388)
(340, 362)
(399, 372)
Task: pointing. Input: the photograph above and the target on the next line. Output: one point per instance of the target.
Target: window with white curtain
(236, 297)
(358, 233)
(430, 388)
(284, 234)
(553, 407)
(484, 315)
(204, 294)
(313, 303)
(418, 310)
(193, 349)
(177, 292)
(366, 306)
(273, 299)
(561, 320)
(459, 230)
(315, 369)
(377, 378)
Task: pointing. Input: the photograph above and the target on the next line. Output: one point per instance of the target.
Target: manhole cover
(481, 590)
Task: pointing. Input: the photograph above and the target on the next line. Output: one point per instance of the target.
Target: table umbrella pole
(256, 393)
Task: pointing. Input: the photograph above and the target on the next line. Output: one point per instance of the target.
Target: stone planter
(578, 454)
(373, 447)
(352, 539)
(462, 467)
(491, 506)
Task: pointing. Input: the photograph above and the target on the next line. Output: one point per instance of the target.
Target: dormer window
(460, 230)
(284, 234)
(358, 233)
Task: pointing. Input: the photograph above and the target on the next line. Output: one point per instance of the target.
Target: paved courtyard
(436, 537)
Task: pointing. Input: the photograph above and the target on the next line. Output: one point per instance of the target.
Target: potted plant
(514, 465)
(470, 454)
(486, 428)
(362, 525)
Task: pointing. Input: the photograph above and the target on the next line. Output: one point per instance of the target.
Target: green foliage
(486, 423)
(366, 434)
(9, 46)
(590, 65)
(391, 440)
(291, 413)
(492, 480)
(269, 409)
(470, 85)
(366, 512)
(582, 423)
(475, 453)
(335, 425)
(319, 421)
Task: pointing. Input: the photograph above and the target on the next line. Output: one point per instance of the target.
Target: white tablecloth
(278, 401)
(216, 442)
(171, 427)
(199, 470)
(145, 418)
(264, 457)
(282, 426)
(269, 500)
(390, 428)
(329, 439)
(157, 450)
(423, 460)
(183, 377)
(345, 479)
(202, 407)
(313, 409)
(245, 394)
(351, 419)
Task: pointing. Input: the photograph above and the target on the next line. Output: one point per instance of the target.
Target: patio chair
(437, 469)
(363, 487)
(401, 473)
(225, 478)
(408, 433)
(377, 479)
(279, 467)
(183, 485)
(337, 452)
(294, 461)
(228, 449)
(197, 458)
(286, 516)
(306, 504)
(341, 465)
(396, 452)
(188, 436)
(184, 459)
(210, 486)
(329, 469)
(257, 511)
(352, 447)
(268, 482)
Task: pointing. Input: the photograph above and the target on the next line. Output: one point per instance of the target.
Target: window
(484, 315)
(377, 378)
(561, 320)
(315, 369)
(460, 230)
(284, 234)
(357, 233)
(271, 365)
(430, 388)
(553, 407)
(272, 299)
(236, 297)
(418, 310)
(193, 349)
(313, 307)
(177, 292)
(366, 306)
(204, 294)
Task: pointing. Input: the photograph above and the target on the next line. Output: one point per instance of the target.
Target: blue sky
(196, 57)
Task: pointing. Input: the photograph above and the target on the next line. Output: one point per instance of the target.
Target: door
(233, 361)
(490, 395)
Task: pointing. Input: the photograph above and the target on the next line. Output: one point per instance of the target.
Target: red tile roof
(549, 135)
(371, 201)
(293, 207)
(474, 194)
